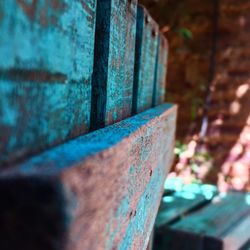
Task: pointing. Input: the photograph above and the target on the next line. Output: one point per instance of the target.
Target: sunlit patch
(208, 191)
(242, 89)
(237, 149)
(168, 199)
(248, 120)
(235, 107)
(242, 21)
(194, 188)
(218, 122)
(223, 195)
(247, 198)
(173, 184)
(186, 195)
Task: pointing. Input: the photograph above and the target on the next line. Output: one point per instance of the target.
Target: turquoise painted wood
(222, 224)
(145, 61)
(46, 64)
(160, 71)
(101, 190)
(114, 62)
(177, 203)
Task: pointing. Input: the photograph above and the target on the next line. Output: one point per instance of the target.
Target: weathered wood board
(46, 64)
(101, 190)
(160, 71)
(114, 62)
(145, 60)
(178, 204)
(216, 226)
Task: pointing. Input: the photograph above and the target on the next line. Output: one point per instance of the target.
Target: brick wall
(229, 129)
(228, 138)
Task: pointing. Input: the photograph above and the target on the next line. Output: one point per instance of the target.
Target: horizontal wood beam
(99, 191)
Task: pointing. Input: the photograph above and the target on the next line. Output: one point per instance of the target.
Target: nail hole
(151, 172)
(146, 19)
(131, 214)
(153, 33)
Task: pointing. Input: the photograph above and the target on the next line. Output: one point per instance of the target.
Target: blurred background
(209, 78)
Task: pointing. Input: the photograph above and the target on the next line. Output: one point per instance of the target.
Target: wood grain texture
(214, 226)
(110, 182)
(160, 71)
(145, 60)
(46, 64)
(114, 62)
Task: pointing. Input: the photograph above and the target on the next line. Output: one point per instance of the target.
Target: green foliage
(193, 159)
(179, 148)
(185, 33)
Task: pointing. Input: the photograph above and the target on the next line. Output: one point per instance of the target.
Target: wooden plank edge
(110, 182)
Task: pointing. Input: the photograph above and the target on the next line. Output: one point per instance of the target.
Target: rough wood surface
(215, 226)
(114, 61)
(145, 60)
(46, 63)
(109, 184)
(160, 71)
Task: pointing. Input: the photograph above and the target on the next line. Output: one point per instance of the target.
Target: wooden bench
(199, 218)
(77, 170)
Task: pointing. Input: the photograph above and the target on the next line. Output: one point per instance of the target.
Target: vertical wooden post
(160, 71)
(114, 62)
(145, 60)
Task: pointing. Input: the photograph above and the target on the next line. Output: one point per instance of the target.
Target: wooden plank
(46, 63)
(114, 62)
(178, 205)
(109, 184)
(211, 226)
(160, 71)
(179, 200)
(145, 60)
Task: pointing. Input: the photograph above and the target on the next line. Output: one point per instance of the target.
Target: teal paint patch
(46, 64)
(145, 61)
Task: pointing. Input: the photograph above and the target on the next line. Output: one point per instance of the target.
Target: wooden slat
(160, 71)
(101, 190)
(176, 206)
(114, 62)
(179, 199)
(145, 60)
(213, 226)
(46, 63)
